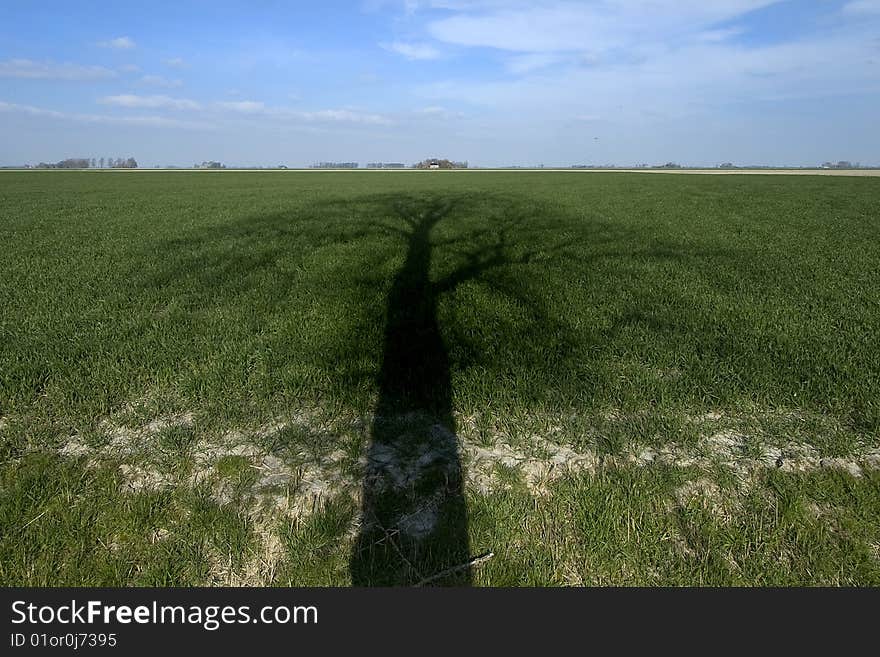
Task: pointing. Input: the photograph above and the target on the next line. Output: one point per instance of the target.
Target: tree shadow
(413, 517)
(413, 514)
(413, 523)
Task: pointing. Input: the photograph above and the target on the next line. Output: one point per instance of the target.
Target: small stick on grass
(33, 520)
(467, 564)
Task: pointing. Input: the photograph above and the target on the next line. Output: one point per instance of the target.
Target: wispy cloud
(27, 68)
(522, 64)
(438, 112)
(343, 116)
(250, 107)
(692, 80)
(160, 81)
(412, 50)
(715, 36)
(28, 109)
(243, 106)
(150, 102)
(862, 7)
(174, 62)
(565, 26)
(244, 109)
(648, 59)
(149, 121)
(119, 43)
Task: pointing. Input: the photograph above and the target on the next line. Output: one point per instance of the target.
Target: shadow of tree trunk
(413, 516)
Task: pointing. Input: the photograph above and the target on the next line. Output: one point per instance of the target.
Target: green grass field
(371, 378)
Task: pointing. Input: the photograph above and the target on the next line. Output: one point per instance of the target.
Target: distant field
(712, 172)
(285, 378)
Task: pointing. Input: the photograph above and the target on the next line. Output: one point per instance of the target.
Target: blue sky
(494, 82)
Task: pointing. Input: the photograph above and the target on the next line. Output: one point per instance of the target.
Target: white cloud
(154, 121)
(642, 62)
(160, 81)
(698, 78)
(245, 109)
(251, 107)
(150, 102)
(119, 43)
(412, 50)
(715, 36)
(438, 112)
(862, 7)
(28, 109)
(567, 26)
(412, 7)
(343, 116)
(522, 64)
(174, 62)
(148, 121)
(29, 69)
(243, 106)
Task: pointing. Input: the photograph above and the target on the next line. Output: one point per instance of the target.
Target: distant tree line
(69, 163)
(843, 164)
(209, 165)
(334, 165)
(86, 163)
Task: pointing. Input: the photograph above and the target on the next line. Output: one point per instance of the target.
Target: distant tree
(73, 163)
(102, 162)
(436, 163)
